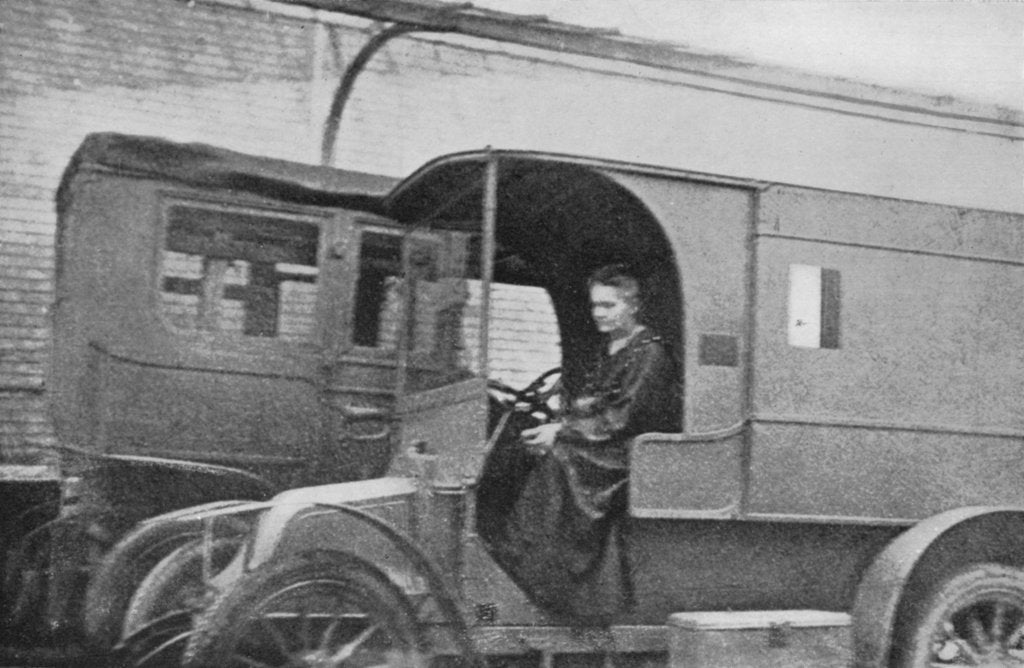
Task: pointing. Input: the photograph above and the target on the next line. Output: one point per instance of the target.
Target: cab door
(359, 317)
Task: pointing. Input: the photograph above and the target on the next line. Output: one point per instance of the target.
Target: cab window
(239, 272)
(442, 314)
(524, 339)
(375, 320)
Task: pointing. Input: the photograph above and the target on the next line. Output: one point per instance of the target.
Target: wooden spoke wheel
(320, 612)
(975, 617)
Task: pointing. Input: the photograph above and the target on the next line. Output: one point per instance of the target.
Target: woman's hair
(620, 277)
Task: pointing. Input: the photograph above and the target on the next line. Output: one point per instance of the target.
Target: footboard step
(759, 639)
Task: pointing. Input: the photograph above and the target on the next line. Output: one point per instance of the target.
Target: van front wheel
(974, 617)
(325, 610)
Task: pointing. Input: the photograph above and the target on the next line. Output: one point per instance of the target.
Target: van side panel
(918, 356)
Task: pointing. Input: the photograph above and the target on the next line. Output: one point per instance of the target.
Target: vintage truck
(191, 360)
(851, 369)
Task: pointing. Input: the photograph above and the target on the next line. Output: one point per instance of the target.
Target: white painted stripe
(804, 306)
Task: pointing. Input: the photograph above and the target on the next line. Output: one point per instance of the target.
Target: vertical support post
(207, 566)
(403, 295)
(490, 211)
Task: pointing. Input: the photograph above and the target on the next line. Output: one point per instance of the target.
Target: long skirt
(559, 527)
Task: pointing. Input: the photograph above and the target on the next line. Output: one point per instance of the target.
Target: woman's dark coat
(560, 529)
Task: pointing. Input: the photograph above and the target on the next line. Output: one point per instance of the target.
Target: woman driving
(563, 537)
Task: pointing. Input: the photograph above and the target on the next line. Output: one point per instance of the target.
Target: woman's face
(613, 313)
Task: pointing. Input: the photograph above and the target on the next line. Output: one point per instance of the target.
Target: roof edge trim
(732, 73)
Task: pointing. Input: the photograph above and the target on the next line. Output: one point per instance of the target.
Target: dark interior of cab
(556, 222)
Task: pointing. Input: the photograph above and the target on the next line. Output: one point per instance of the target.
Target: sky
(970, 50)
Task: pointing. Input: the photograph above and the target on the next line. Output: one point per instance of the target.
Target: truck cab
(204, 312)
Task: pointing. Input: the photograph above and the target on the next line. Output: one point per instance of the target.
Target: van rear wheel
(974, 617)
(326, 610)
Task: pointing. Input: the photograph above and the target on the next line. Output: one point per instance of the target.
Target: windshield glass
(443, 332)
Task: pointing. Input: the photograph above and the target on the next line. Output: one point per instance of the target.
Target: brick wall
(206, 73)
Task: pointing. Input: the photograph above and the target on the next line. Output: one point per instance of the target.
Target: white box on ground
(759, 639)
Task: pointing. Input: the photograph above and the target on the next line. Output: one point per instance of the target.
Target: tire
(973, 617)
(159, 619)
(120, 572)
(123, 569)
(324, 609)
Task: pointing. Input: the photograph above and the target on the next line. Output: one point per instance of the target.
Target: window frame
(349, 236)
(218, 340)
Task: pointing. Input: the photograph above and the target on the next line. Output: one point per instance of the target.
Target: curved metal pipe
(441, 21)
(348, 80)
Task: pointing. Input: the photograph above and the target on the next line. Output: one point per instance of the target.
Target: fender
(908, 564)
(295, 516)
(304, 519)
(124, 566)
(159, 485)
(208, 511)
(367, 519)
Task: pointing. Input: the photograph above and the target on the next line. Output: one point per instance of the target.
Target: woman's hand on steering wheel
(540, 439)
(535, 397)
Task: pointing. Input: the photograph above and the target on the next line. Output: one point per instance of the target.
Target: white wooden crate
(759, 639)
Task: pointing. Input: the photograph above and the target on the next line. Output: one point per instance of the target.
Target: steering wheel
(534, 398)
